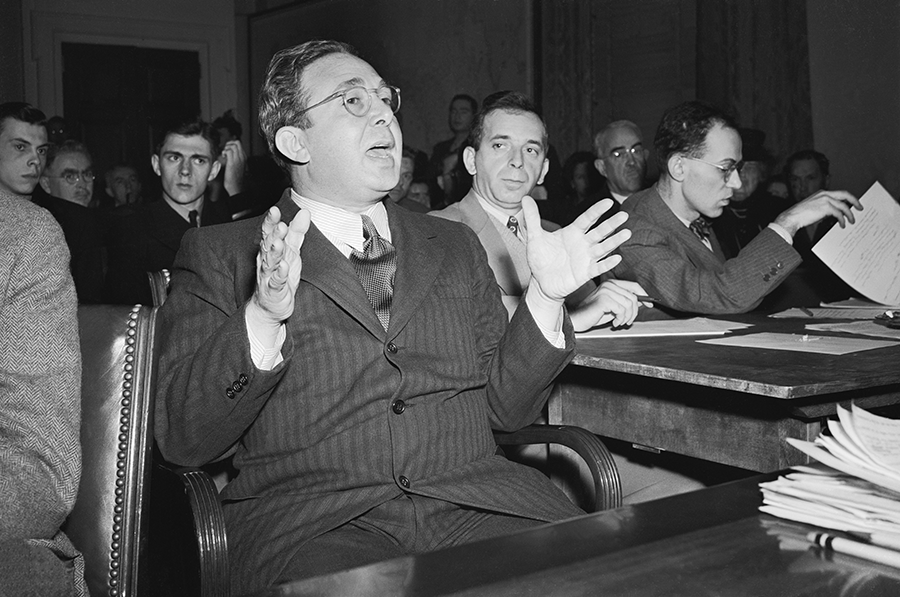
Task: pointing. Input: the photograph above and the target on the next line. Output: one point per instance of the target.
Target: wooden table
(709, 542)
(730, 405)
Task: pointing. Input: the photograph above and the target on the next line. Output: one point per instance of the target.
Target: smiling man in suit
(675, 255)
(355, 355)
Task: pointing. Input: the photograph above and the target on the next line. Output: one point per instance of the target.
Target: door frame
(45, 32)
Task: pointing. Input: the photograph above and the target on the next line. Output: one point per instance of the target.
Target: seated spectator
(40, 375)
(123, 186)
(68, 185)
(583, 183)
(420, 192)
(232, 187)
(461, 114)
(751, 208)
(399, 193)
(147, 237)
(672, 252)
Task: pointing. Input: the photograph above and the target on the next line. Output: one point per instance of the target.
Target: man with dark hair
(146, 238)
(507, 159)
(68, 185)
(355, 355)
(123, 185)
(673, 253)
(399, 192)
(23, 148)
(40, 375)
(807, 171)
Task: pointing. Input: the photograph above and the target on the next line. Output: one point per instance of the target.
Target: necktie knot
(513, 224)
(194, 217)
(700, 227)
(375, 266)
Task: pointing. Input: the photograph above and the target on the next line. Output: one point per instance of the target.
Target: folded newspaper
(854, 486)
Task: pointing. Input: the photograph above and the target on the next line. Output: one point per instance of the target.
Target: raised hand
(562, 261)
(278, 267)
(817, 207)
(234, 160)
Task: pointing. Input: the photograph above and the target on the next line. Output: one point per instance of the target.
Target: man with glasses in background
(673, 253)
(355, 355)
(68, 188)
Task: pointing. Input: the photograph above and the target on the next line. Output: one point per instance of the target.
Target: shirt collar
(185, 211)
(343, 228)
(500, 215)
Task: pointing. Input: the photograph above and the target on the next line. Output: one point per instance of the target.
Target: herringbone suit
(355, 415)
(40, 398)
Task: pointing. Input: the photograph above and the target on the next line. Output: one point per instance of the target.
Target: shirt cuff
(780, 231)
(552, 332)
(264, 358)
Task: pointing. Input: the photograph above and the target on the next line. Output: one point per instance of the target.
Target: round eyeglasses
(75, 177)
(622, 153)
(358, 100)
(727, 171)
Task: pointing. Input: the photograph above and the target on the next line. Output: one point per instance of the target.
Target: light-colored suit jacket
(676, 268)
(506, 253)
(355, 415)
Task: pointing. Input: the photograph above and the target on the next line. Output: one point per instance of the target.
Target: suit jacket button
(766, 277)
(779, 265)
(237, 386)
(392, 348)
(243, 379)
(398, 407)
(773, 271)
(229, 392)
(404, 482)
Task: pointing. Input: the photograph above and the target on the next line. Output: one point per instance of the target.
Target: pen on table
(873, 553)
(807, 311)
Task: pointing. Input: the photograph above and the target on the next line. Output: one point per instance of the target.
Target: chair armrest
(191, 544)
(607, 485)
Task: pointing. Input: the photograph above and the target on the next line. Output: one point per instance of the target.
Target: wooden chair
(108, 524)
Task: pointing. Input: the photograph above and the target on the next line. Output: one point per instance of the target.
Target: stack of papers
(695, 326)
(855, 485)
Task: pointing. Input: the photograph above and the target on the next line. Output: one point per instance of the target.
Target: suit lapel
(506, 259)
(695, 249)
(419, 260)
(326, 268)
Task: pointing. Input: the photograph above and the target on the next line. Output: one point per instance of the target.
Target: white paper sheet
(695, 326)
(866, 255)
(834, 345)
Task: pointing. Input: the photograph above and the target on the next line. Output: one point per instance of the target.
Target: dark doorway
(119, 99)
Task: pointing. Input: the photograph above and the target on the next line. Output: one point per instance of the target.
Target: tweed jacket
(40, 383)
(673, 266)
(355, 415)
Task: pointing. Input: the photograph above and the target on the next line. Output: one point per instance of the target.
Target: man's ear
(600, 165)
(154, 161)
(544, 170)
(45, 184)
(675, 166)
(469, 159)
(214, 171)
(292, 143)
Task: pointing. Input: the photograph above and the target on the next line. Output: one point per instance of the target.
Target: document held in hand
(866, 255)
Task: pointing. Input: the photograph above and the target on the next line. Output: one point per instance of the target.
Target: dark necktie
(513, 224)
(193, 217)
(376, 265)
(700, 227)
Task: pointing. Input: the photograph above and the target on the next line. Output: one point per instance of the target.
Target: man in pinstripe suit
(672, 252)
(361, 425)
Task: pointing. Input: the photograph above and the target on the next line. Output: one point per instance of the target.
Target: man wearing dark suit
(356, 355)
(672, 252)
(68, 185)
(622, 161)
(146, 237)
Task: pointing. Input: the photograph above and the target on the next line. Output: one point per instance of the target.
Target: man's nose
(734, 180)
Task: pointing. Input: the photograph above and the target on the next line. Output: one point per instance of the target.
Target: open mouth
(382, 150)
